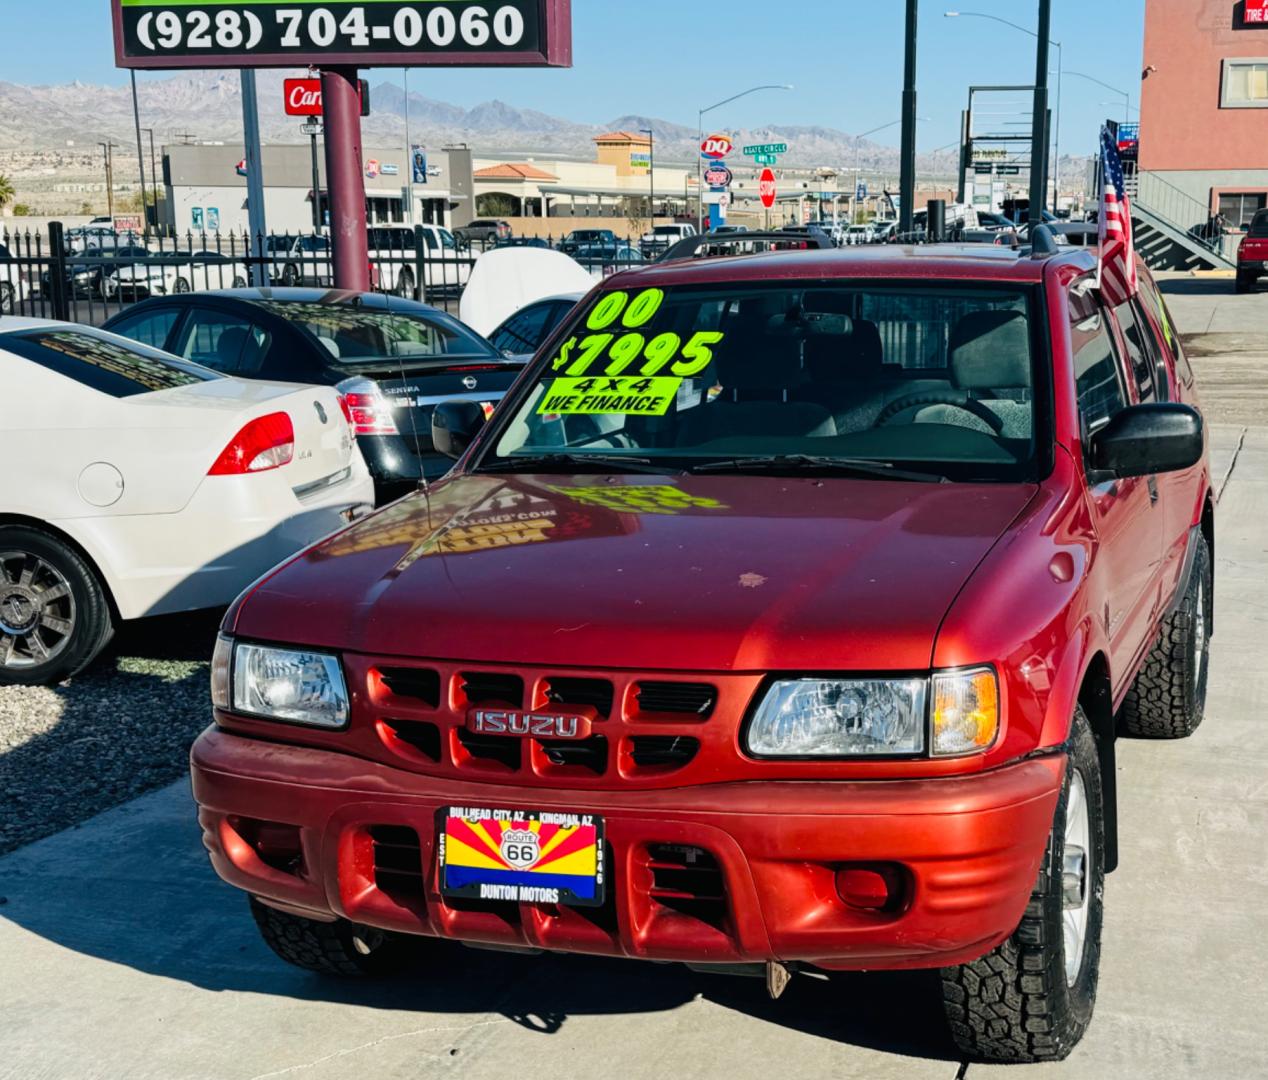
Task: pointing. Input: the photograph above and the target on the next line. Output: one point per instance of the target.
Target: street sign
(767, 188)
(860, 192)
(765, 149)
(383, 33)
(1007, 170)
(312, 127)
(716, 147)
(1256, 13)
(718, 176)
(765, 159)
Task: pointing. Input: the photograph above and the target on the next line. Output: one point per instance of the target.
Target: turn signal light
(267, 442)
(965, 711)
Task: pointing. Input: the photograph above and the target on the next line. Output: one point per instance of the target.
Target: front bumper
(969, 848)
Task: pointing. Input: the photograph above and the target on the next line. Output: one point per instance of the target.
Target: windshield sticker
(622, 396)
(620, 352)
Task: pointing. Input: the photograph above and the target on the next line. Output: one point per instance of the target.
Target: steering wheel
(956, 399)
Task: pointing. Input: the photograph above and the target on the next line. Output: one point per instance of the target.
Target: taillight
(369, 413)
(268, 442)
(347, 410)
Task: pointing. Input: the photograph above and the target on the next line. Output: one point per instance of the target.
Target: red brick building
(1204, 101)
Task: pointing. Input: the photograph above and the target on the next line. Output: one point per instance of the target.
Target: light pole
(700, 129)
(153, 174)
(1056, 142)
(858, 141)
(140, 159)
(651, 177)
(409, 154)
(106, 147)
(1127, 100)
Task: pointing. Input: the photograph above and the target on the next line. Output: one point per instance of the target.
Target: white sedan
(166, 274)
(140, 484)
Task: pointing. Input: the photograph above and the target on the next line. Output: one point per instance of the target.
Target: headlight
(965, 711)
(840, 718)
(296, 685)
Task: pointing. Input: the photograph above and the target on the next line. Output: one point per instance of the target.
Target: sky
(668, 58)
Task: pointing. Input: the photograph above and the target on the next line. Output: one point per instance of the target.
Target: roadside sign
(302, 97)
(767, 188)
(766, 159)
(127, 223)
(860, 192)
(313, 127)
(297, 33)
(241, 167)
(718, 176)
(765, 149)
(1256, 12)
(716, 147)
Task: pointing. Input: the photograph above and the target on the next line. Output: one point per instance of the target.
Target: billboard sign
(370, 33)
(1256, 13)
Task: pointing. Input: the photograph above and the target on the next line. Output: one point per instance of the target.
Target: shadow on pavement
(1186, 286)
(134, 888)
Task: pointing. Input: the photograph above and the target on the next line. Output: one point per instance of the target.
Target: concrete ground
(121, 955)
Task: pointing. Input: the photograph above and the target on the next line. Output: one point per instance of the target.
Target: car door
(222, 340)
(1124, 514)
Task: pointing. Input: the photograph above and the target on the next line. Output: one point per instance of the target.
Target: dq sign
(716, 147)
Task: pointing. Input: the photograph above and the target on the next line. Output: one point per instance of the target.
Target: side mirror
(454, 426)
(1145, 439)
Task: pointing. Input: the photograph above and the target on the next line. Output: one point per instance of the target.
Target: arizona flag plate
(525, 856)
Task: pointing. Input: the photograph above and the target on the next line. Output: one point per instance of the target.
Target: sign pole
(255, 177)
(312, 136)
(345, 179)
(907, 180)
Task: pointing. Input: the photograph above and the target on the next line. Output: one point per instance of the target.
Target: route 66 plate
(522, 856)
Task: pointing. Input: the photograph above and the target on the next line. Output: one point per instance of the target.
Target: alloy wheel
(1199, 636)
(37, 610)
(1076, 899)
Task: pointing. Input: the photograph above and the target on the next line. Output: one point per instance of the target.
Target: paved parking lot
(125, 957)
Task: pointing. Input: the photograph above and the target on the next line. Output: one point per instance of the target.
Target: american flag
(1116, 264)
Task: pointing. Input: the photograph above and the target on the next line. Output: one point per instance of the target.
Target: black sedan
(86, 273)
(392, 360)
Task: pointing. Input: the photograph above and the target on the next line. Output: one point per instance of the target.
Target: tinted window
(1158, 307)
(101, 362)
(353, 336)
(690, 375)
(149, 328)
(1098, 381)
(222, 341)
(1140, 357)
(524, 330)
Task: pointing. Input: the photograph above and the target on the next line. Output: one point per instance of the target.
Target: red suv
(782, 618)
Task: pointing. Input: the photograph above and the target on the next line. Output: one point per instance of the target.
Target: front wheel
(239, 282)
(340, 948)
(6, 298)
(1031, 998)
(405, 284)
(54, 618)
(180, 285)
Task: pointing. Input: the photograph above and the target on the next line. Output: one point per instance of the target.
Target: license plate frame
(484, 854)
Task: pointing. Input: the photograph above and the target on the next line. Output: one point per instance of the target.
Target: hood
(695, 573)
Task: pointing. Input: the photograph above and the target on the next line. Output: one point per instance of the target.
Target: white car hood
(507, 279)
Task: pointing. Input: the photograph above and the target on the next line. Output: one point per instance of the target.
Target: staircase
(1162, 216)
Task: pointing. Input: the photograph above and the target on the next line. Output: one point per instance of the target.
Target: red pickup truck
(1252, 253)
(783, 618)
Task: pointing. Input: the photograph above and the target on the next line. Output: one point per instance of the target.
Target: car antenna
(413, 423)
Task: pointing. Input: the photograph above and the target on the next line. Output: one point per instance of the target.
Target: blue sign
(419, 156)
(860, 192)
(213, 219)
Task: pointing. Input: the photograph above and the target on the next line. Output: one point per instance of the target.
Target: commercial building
(206, 191)
(1204, 107)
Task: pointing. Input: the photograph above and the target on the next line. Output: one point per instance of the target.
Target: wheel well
(71, 542)
(1096, 697)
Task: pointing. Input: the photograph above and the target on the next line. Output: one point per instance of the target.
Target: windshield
(358, 336)
(932, 379)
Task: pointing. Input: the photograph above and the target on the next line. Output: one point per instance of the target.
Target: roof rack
(746, 243)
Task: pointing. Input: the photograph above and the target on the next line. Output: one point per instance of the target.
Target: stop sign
(766, 188)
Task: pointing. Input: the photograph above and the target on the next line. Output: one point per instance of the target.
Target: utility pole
(106, 148)
(907, 181)
(140, 159)
(153, 172)
(651, 177)
(255, 177)
(409, 154)
(1039, 122)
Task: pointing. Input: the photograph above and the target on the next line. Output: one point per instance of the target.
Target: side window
(223, 342)
(150, 328)
(1097, 373)
(1140, 355)
(523, 332)
(1158, 308)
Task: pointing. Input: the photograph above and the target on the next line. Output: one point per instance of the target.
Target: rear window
(353, 336)
(105, 363)
(1259, 224)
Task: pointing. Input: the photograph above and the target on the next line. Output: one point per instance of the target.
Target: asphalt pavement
(123, 956)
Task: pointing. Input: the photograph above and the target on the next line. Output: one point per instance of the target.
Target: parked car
(884, 231)
(14, 284)
(159, 486)
(392, 360)
(394, 257)
(1252, 254)
(604, 259)
(523, 333)
(86, 276)
(82, 237)
(484, 231)
(523, 241)
(853, 235)
(164, 274)
(662, 237)
(780, 643)
(300, 260)
(579, 238)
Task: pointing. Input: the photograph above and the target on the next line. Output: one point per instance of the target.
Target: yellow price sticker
(596, 396)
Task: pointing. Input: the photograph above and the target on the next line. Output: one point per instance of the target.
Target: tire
(334, 949)
(33, 650)
(405, 284)
(180, 285)
(1243, 284)
(1167, 700)
(6, 298)
(1018, 1003)
(239, 282)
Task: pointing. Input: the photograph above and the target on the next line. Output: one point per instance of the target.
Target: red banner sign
(1256, 12)
(303, 97)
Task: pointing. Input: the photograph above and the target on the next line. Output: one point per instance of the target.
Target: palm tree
(6, 191)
